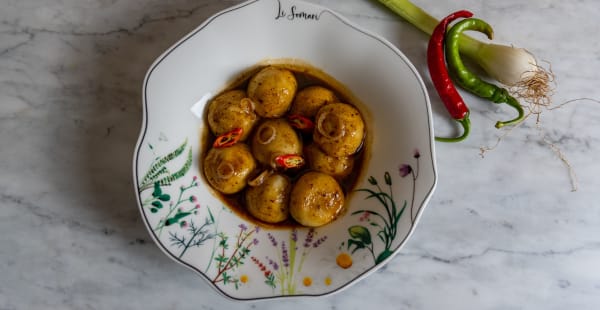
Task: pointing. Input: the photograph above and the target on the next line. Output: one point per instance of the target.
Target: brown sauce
(306, 75)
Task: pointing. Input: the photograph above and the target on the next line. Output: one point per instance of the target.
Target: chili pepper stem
(466, 125)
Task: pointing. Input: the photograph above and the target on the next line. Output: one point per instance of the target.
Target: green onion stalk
(511, 66)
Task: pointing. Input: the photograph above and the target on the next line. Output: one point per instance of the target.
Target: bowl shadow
(116, 62)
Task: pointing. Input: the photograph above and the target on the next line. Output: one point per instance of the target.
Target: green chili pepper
(468, 80)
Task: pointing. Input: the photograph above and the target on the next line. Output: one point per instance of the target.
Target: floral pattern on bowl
(244, 261)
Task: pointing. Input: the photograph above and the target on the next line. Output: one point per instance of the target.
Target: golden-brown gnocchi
(309, 100)
(268, 201)
(338, 167)
(272, 91)
(228, 169)
(340, 129)
(266, 171)
(229, 111)
(316, 199)
(272, 138)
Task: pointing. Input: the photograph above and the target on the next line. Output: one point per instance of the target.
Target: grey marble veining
(501, 232)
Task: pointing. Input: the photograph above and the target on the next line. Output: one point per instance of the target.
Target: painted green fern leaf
(158, 169)
(180, 173)
(160, 172)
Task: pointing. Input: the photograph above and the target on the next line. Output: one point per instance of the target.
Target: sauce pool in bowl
(306, 76)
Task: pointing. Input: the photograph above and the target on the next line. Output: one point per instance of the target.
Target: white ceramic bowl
(239, 259)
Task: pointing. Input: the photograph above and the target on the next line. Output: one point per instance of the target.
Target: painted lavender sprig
(308, 244)
(290, 258)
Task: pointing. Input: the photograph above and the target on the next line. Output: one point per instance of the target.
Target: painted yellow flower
(307, 281)
(344, 260)
(244, 278)
(327, 281)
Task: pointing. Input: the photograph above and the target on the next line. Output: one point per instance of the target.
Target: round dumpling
(340, 129)
(272, 138)
(272, 91)
(228, 169)
(268, 201)
(316, 199)
(338, 167)
(229, 111)
(309, 100)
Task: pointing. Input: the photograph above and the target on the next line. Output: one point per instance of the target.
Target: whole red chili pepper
(441, 79)
(228, 139)
(289, 161)
(301, 122)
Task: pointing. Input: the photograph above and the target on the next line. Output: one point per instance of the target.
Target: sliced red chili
(301, 122)
(228, 139)
(289, 161)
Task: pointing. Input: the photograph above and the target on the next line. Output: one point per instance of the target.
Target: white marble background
(502, 232)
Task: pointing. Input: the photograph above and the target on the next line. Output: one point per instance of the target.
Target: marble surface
(501, 232)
